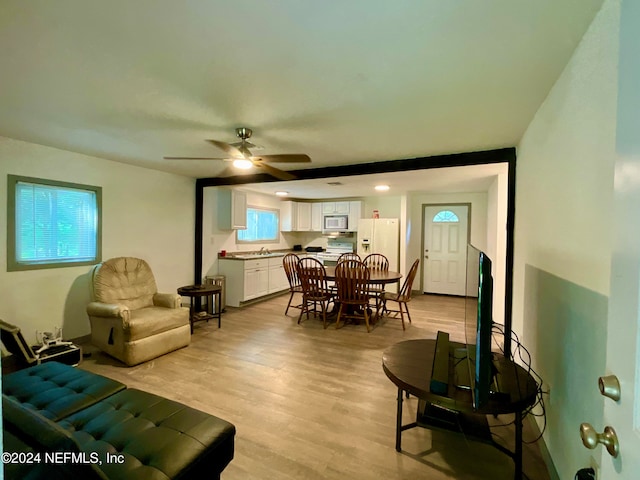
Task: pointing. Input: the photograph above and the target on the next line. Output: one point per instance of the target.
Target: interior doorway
(445, 238)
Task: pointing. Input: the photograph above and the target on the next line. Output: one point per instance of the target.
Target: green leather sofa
(61, 422)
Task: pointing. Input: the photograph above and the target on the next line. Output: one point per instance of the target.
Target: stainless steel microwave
(335, 223)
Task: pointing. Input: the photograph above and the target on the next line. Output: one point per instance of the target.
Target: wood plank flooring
(310, 403)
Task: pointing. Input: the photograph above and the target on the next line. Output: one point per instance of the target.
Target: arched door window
(445, 216)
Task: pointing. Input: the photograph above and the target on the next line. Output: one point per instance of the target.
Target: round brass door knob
(591, 438)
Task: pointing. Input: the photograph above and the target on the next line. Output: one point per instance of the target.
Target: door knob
(591, 438)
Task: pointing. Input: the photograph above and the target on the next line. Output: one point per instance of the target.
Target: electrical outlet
(596, 468)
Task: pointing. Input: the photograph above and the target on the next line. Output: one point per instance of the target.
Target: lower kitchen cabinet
(256, 283)
(277, 277)
(250, 279)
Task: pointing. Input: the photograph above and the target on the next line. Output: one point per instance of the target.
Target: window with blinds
(262, 226)
(52, 224)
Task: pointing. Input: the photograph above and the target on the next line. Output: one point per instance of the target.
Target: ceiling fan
(242, 157)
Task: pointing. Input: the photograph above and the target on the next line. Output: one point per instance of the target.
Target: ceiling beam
(421, 163)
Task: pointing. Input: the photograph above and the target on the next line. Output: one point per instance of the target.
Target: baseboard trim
(544, 451)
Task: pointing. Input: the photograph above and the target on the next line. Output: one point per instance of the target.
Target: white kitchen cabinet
(316, 217)
(329, 208)
(288, 216)
(277, 277)
(232, 209)
(295, 216)
(256, 283)
(355, 213)
(303, 217)
(253, 278)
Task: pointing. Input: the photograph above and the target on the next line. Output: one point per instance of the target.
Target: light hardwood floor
(310, 403)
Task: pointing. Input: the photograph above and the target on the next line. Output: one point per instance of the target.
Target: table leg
(219, 309)
(399, 422)
(191, 311)
(517, 454)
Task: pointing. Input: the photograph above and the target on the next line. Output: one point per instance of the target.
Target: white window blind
(55, 224)
(262, 226)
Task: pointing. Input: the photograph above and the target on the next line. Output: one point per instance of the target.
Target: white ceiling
(346, 82)
(474, 178)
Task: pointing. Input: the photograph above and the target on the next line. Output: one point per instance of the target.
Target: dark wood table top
(376, 276)
(199, 290)
(409, 365)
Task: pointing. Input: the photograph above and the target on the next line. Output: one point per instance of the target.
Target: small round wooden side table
(196, 291)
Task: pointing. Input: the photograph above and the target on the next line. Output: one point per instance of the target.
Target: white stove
(334, 250)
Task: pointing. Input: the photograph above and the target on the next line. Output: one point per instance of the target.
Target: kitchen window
(52, 224)
(262, 226)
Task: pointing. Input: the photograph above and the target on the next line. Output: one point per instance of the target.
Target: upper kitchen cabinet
(355, 213)
(316, 217)
(303, 217)
(295, 216)
(232, 209)
(329, 208)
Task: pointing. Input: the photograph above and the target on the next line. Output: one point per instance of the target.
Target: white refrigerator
(380, 235)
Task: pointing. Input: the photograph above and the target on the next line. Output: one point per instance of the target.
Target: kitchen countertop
(258, 256)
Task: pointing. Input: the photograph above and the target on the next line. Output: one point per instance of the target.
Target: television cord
(525, 360)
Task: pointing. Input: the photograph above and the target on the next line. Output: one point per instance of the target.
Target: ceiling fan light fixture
(381, 188)
(242, 163)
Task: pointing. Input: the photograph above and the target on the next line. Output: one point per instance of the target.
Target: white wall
(145, 213)
(497, 240)
(563, 218)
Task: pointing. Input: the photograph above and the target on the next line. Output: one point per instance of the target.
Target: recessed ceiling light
(382, 188)
(242, 163)
(282, 194)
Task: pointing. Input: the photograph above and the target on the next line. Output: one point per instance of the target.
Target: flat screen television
(479, 324)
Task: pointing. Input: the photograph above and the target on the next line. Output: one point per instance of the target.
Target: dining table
(376, 277)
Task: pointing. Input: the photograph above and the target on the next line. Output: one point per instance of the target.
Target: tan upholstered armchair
(130, 320)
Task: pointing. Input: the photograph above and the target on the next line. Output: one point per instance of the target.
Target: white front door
(623, 332)
(445, 244)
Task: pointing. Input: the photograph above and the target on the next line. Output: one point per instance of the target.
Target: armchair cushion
(125, 280)
(149, 321)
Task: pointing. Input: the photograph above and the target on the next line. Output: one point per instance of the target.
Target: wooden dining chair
(348, 256)
(403, 297)
(315, 290)
(352, 282)
(290, 263)
(377, 261)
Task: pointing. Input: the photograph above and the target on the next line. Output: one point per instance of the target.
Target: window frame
(260, 242)
(13, 265)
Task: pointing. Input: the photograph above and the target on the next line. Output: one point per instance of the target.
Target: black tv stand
(411, 366)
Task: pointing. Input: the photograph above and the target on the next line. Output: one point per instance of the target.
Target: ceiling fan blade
(285, 158)
(225, 147)
(193, 158)
(275, 172)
